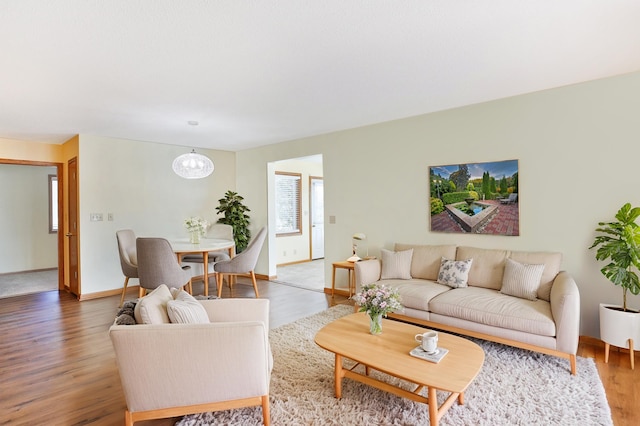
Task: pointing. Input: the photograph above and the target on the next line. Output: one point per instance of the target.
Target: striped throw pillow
(521, 280)
(396, 264)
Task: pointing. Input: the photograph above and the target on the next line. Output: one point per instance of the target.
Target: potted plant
(619, 244)
(235, 214)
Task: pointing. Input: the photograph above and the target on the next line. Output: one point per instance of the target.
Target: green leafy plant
(619, 243)
(235, 214)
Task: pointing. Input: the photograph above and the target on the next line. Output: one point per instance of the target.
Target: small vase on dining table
(375, 323)
(194, 237)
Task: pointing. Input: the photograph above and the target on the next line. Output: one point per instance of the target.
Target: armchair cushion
(152, 309)
(186, 309)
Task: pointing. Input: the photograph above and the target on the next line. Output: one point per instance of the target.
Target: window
(288, 203)
(53, 204)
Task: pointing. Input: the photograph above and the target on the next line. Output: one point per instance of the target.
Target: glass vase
(194, 237)
(375, 323)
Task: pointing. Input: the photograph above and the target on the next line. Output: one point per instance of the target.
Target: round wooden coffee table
(349, 337)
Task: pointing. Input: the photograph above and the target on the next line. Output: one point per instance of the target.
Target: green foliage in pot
(619, 244)
(235, 214)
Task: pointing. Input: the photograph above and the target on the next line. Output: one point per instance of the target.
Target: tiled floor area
(309, 275)
(28, 282)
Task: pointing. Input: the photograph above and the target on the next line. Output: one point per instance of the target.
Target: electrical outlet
(96, 217)
(110, 217)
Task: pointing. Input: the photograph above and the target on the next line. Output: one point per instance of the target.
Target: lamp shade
(359, 236)
(193, 165)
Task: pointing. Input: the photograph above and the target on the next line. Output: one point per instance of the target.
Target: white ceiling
(260, 72)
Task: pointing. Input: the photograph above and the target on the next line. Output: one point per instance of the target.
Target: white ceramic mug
(428, 341)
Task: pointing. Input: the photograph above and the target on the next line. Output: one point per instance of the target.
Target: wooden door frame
(60, 232)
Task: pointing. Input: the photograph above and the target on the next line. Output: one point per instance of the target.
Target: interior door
(317, 217)
(72, 227)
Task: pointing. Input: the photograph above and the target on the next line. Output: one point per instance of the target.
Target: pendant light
(193, 165)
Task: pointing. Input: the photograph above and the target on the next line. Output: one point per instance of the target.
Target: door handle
(68, 234)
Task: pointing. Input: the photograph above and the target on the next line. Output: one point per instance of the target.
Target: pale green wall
(134, 181)
(577, 148)
(25, 242)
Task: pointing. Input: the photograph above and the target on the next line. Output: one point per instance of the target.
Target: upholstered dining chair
(158, 264)
(128, 257)
(217, 230)
(242, 264)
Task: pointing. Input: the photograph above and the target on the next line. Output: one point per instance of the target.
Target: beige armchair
(170, 370)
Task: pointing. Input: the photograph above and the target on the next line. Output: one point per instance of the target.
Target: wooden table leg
(433, 406)
(631, 354)
(333, 281)
(205, 258)
(338, 376)
(606, 352)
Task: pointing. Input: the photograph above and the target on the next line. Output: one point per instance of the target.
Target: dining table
(183, 246)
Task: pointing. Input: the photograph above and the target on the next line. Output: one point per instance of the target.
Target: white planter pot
(617, 327)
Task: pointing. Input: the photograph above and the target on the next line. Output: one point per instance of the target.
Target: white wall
(295, 248)
(577, 147)
(134, 181)
(25, 241)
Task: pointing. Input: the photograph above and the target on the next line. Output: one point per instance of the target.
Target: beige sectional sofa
(508, 296)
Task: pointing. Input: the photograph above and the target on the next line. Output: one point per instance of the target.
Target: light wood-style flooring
(57, 365)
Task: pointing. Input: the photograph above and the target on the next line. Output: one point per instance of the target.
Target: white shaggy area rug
(515, 387)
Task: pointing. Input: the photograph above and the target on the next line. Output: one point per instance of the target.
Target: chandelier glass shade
(193, 165)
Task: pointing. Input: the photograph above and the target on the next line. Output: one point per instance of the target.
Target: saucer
(431, 353)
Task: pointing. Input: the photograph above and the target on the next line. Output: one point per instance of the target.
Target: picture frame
(476, 198)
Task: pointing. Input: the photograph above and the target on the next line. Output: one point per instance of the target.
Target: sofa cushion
(425, 262)
(396, 265)
(490, 307)
(487, 268)
(552, 262)
(185, 309)
(416, 293)
(454, 273)
(521, 280)
(152, 308)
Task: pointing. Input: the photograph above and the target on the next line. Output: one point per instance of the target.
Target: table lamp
(354, 239)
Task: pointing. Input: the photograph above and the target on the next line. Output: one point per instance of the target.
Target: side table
(349, 266)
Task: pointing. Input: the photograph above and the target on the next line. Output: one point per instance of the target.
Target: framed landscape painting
(478, 198)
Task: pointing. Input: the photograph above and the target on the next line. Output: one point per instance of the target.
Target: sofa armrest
(177, 365)
(229, 310)
(565, 308)
(367, 272)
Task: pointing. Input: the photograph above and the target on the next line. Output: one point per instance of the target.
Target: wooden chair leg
(606, 352)
(255, 284)
(142, 292)
(266, 415)
(219, 280)
(631, 354)
(124, 291)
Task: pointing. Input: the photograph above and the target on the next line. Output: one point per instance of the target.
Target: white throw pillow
(521, 280)
(396, 264)
(454, 273)
(152, 308)
(185, 309)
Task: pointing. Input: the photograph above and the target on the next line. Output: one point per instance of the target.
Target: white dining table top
(182, 245)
